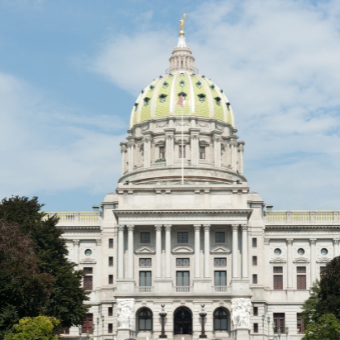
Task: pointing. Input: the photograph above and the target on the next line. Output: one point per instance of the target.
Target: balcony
(220, 289)
(182, 289)
(144, 289)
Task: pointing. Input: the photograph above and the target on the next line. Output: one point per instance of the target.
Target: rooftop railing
(303, 216)
(75, 217)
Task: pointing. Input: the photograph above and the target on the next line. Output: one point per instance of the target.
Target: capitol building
(183, 249)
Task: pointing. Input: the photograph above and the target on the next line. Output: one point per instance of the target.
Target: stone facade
(184, 237)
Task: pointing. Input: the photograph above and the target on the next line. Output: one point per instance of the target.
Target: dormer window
(228, 106)
(218, 100)
(183, 94)
(151, 87)
(201, 97)
(171, 75)
(199, 84)
(136, 106)
(162, 97)
(182, 74)
(182, 83)
(146, 101)
(193, 75)
(212, 86)
(165, 85)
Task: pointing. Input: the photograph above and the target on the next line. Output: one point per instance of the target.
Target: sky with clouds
(70, 72)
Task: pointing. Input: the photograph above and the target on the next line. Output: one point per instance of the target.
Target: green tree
(23, 289)
(310, 311)
(67, 297)
(326, 328)
(40, 327)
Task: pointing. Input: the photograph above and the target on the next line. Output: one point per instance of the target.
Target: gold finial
(181, 32)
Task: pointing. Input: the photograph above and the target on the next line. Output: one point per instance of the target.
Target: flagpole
(182, 145)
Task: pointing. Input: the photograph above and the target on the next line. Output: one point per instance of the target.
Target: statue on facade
(240, 313)
(125, 309)
(182, 21)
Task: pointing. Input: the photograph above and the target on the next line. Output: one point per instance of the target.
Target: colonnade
(236, 273)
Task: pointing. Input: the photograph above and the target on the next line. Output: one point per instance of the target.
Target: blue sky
(70, 72)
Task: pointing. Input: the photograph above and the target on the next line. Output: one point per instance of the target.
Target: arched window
(145, 320)
(220, 320)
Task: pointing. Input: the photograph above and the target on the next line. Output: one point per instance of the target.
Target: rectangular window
(181, 151)
(219, 237)
(301, 279)
(322, 269)
(278, 279)
(109, 328)
(110, 279)
(145, 262)
(66, 331)
(183, 279)
(110, 242)
(279, 322)
(254, 279)
(300, 324)
(87, 324)
(202, 153)
(144, 237)
(145, 279)
(220, 279)
(254, 242)
(182, 262)
(220, 262)
(256, 327)
(162, 152)
(254, 260)
(88, 282)
(110, 261)
(255, 311)
(110, 311)
(182, 237)
(88, 270)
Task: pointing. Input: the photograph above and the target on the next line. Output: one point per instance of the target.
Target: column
(147, 151)
(197, 250)
(76, 251)
(290, 275)
(120, 252)
(168, 251)
(131, 146)
(233, 155)
(207, 250)
(336, 247)
(194, 134)
(312, 260)
(217, 151)
(123, 149)
(130, 251)
(169, 147)
(235, 250)
(158, 228)
(98, 277)
(240, 158)
(244, 251)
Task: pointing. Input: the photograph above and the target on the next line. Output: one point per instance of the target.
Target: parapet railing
(75, 217)
(303, 216)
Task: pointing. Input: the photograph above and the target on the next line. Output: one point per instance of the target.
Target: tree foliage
(41, 327)
(66, 298)
(326, 328)
(310, 312)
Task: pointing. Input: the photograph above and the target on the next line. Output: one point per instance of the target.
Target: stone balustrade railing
(75, 217)
(321, 216)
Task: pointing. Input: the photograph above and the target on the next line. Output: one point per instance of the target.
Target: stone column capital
(235, 227)
(130, 227)
(312, 241)
(206, 227)
(336, 240)
(167, 227)
(120, 227)
(244, 226)
(76, 242)
(290, 241)
(158, 227)
(197, 227)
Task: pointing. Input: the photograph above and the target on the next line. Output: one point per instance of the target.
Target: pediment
(88, 261)
(301, 260)
(182, 250)
(220, 250)
(323, 259)
(145, 250)
(278, 260)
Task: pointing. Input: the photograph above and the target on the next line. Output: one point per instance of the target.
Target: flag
(180, 101)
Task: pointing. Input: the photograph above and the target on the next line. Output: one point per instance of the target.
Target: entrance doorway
(183, 321)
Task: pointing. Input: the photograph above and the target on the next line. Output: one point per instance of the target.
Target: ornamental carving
(158, 227)
(130, 227)
(169, 137)
(145, 127)
(312, 241)
(147, 139)
(290, 241)
(206, 227)
(235, 227)
(159, 125)
(244, 227)
(120, 228)
(76, 242)
(240, 313)
(336, 241)
(167, 227)
(123, 148)
(197, 227)
(125, 312)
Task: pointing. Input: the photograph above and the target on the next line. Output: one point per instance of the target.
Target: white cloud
(278, 63)
(50, 149)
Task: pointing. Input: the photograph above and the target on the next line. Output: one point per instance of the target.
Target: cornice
(296, 226)
(184, 211)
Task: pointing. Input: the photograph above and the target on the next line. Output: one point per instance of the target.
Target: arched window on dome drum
(162, 152)
(145, 320)
(181, 151)
(220, 320)
(202, 152)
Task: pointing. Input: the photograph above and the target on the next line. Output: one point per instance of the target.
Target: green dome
(202, 98)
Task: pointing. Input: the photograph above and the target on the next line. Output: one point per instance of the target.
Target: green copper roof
(202, 98)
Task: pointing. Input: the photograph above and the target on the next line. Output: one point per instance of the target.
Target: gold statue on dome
(181, 32)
